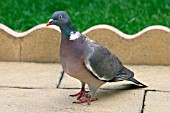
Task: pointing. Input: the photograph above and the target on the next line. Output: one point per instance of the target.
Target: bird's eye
(60, 16)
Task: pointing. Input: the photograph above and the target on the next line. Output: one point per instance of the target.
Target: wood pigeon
(87, 60)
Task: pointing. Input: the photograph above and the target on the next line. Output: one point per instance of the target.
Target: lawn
(129, 16)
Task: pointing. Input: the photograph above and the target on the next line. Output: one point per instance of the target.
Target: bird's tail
(136, 82)
(126, 74)
(130, 75)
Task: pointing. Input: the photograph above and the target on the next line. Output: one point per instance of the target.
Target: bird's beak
(49, 22)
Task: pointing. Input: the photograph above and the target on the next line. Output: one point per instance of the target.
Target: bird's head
(59, 18)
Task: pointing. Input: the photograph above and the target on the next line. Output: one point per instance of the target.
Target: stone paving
(31, 88)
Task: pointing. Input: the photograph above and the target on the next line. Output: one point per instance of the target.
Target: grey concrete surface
(157, 102)
(58, 101)
(30, 75)
(30, 88)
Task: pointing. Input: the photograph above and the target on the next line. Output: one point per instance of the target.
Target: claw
(80, 94)
(87, 100)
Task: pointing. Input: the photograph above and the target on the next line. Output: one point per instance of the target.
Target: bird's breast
(71, 57)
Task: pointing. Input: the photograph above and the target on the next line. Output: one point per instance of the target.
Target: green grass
(129, 16)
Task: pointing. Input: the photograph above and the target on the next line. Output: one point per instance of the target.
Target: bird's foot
(87, 100)
(80, 94)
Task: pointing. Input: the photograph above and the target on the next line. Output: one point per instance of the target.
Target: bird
(87, 60)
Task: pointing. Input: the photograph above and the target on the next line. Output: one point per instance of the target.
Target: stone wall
(150, 46)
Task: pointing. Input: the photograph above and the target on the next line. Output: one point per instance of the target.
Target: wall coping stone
(150, 46)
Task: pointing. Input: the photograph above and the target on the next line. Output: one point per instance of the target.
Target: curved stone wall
(150, 46)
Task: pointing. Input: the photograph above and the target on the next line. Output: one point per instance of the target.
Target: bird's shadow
(104, 93)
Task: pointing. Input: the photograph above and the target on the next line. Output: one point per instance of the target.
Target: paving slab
(155, 77)
(15, 100)
(31, 88)
(30, 75)
(157, 102)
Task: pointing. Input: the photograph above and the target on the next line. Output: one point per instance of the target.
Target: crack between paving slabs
(144, 98)
(143, 102)
(21, 87)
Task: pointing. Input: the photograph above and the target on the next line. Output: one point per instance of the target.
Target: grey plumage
(104, 64)
(87, 60)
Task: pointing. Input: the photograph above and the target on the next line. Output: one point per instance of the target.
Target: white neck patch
(74, 36)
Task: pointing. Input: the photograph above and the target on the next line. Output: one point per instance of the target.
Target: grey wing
(101, 62)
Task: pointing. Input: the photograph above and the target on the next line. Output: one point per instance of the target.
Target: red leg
(80, 94)
(87, 99)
